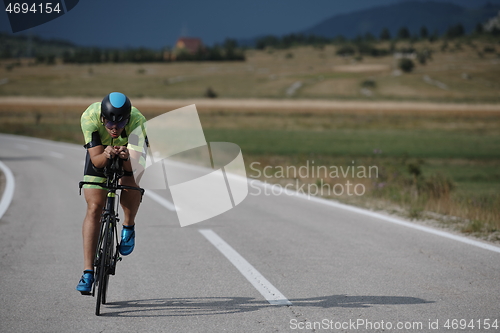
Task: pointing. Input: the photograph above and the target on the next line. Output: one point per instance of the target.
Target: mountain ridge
(435, 16)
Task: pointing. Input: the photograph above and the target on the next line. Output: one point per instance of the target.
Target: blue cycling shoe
(85, 284)
(128, 241)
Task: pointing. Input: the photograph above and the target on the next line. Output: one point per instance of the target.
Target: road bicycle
(107, 254)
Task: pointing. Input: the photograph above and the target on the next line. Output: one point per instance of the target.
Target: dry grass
(468, 77)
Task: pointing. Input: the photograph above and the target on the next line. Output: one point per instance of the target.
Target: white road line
(161, 200)
(56, 155)
(8, 192)
(263, 286)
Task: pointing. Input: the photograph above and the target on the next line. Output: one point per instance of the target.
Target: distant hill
(435, 16)
(24, 45)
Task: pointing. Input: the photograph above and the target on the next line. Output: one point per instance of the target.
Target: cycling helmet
(116, 107)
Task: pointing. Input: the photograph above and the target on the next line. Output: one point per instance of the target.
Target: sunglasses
(119, 124)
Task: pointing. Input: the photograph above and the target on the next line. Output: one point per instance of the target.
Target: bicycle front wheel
(104, 263)
(110, 257)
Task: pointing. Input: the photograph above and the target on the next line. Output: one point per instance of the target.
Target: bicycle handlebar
(114, 166)
(117, 187)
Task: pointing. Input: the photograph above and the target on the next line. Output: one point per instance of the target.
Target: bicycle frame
(107, 255)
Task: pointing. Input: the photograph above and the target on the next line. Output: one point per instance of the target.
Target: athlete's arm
(100, 155)
(124, 153)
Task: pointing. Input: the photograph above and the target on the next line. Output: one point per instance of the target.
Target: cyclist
(106, 128)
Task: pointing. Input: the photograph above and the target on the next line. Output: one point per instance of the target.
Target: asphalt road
(341, 270)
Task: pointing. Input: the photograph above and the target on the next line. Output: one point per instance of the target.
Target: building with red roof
(188, 44)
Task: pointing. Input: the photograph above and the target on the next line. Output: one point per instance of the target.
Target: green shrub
(489, 49)
(346, 50)
(210, 93)
(368, 83)
(422, 59)
(406, 65)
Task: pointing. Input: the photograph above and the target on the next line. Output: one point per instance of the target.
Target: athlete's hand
(122, 152)
(110, 152)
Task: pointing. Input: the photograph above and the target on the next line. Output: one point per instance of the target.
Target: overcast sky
(155, 24)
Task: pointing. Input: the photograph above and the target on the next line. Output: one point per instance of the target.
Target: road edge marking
(382, 217)
(8, 192)
(263, 286)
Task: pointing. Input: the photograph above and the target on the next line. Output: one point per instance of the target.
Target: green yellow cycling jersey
(95, 134)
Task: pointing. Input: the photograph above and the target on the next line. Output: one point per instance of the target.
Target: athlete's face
(115, 129)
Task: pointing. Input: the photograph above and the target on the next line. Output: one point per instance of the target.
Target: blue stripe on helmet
(117, 99)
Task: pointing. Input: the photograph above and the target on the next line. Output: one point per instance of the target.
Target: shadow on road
(226, 305)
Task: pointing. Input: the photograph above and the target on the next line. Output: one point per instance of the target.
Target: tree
(6, 53)
(200, 54)
(406, 65)
(51, 59)
(267, 41)
(115, 56)
(346, 50)
(230, 44)
(231, 51)
(455, 31)
(385, 34)
(369, 37)
(67, 57)
(434, 36)
(339, 39)
(215, 54)
(403, 33)
(424, 33)
(95, 55)
(479, 29)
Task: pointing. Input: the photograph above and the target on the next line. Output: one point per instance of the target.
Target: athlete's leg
(129, 200)
(96, 199)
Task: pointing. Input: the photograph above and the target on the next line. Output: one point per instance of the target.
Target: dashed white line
(263, 286)
(8, 192)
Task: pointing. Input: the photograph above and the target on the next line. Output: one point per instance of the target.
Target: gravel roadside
(291, 105)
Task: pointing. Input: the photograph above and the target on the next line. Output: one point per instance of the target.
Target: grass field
(442, 158)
